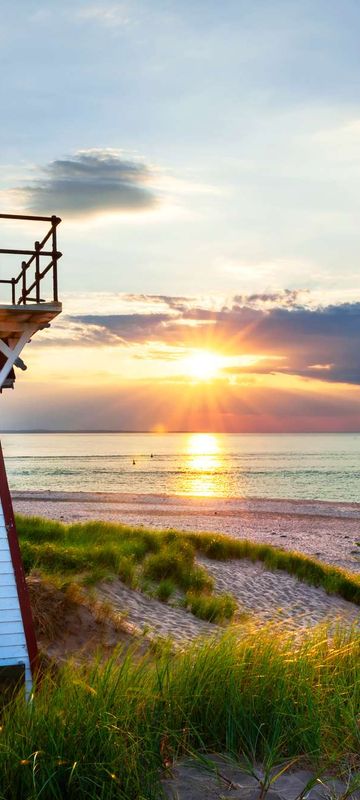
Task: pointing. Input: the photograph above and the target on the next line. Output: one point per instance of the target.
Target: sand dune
(327, 530)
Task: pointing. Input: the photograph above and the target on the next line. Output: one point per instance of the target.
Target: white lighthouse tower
(23, 312)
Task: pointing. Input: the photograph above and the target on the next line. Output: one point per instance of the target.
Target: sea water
(297, 466)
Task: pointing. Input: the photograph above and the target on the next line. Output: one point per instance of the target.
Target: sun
(202, 365)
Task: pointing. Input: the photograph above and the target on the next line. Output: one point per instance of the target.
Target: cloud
(111, 15)
(178, 303)
(125, 327)
(321, 343)
(287, 298)
(91, 181)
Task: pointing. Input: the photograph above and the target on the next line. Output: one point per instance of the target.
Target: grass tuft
(165, 590)
(214, 608)
(126, 571)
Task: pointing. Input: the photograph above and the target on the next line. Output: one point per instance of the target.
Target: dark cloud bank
(88, 182)
(319, 343)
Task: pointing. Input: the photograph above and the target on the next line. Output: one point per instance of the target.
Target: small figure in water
(134, 462)
(151, 455)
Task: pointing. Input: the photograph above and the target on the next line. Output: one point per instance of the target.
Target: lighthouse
(28, 304)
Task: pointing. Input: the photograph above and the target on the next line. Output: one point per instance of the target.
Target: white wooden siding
(13, 648)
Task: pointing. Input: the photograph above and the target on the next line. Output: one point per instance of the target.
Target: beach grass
(142, 558)
(165, 589)
(211, 607)
(159, 564)
(108, 730)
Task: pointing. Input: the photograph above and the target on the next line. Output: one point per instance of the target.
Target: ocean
(293, 466)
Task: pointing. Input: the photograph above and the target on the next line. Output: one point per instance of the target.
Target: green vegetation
(145, 558)
(165, 590)
(215, 608)
(175, 560)
(106, 731)
(154, 561)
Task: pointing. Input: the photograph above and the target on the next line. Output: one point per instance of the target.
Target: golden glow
(158, 428)
(203, 365)
(203, 445)
(204, 464)
(203, 449)
(204, 461)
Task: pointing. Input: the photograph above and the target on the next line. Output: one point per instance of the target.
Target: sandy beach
(328, 531)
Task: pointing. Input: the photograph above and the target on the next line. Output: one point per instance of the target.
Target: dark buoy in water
(151, 455)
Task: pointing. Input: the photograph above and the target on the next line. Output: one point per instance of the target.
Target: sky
(205, 160)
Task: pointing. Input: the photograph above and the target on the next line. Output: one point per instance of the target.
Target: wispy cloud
(91, 181)
(109, 14)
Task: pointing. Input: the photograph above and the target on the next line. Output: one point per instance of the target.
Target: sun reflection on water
(204, 466)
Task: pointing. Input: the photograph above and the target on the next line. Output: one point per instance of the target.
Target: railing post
(13, 296)
(54, 221)
(37, 271)
(23, 283)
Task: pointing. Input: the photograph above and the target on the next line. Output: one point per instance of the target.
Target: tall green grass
(94, 550)
(149, 560)
(105, 731)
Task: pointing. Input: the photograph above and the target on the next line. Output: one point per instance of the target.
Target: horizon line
(161, 433)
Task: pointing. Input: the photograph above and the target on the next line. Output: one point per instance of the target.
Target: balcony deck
(14, 319)
(26, 312)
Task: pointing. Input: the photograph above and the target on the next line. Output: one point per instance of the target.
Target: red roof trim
(22, 589)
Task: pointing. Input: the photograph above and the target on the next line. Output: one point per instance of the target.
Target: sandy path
(268, 596)
(188, 780)
(148, 614)
(326, 530)
(278, 596)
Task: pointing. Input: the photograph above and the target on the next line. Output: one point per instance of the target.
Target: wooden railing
(32, 271)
